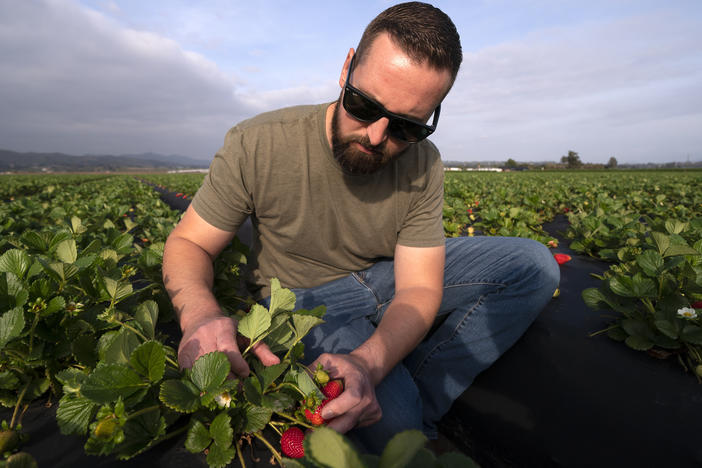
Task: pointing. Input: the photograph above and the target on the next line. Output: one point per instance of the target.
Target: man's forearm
(403, 326)
(188, 277)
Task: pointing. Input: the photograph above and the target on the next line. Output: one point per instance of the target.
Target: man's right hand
(216, 333)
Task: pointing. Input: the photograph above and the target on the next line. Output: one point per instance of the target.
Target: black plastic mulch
(557, 398)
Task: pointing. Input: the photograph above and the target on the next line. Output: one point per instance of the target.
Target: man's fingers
(239, 365)
(264, 354)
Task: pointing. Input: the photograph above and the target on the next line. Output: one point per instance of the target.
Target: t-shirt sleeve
(423, 225)
(223, 199)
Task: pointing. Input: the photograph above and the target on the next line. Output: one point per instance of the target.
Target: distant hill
(11, 161)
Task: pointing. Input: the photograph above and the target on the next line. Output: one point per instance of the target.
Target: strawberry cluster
(291, 442)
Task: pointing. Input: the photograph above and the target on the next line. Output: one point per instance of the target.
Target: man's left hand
(357, 405)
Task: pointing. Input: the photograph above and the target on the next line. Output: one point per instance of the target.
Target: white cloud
(591, 88)
(72, 80)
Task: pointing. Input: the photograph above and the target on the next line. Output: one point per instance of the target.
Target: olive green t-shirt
(314, 222)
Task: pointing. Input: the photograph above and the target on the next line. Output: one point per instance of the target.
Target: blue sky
(539, 77)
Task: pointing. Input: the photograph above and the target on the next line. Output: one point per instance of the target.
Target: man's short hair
(422, 31)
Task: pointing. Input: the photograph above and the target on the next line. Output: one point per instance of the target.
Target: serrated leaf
(651, 262)
(304, 382)
(66, 251)
(55, 304)
(109, 382)
(692, 334)
(402, 448)
(149, 359)
(117, 346)
(282, 299)
(304, 323)
(219, 457)
(210, 371)
(278, 401)
(329, 448)
(637, 328)
(255, 323)
(252, 390)
(117, 289)
(268, 375)
(11, 325)
(622, 286)
(667, 328)
(74, 414)
(221, 430)
(674, 250)
(257, 418)
(639, 343)
(661, 241)
(198, 438)
(180, 395)
(71, 379)
(593, 297)
(15, 261)
(147, 316)
(8, 380)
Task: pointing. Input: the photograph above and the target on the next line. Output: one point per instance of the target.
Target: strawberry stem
(275, 453)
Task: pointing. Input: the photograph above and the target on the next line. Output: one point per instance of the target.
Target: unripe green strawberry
(9, 440)
(291, 443)
(321, 376)
(105, 428)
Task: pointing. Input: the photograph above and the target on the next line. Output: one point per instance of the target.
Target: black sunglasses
(367, 109)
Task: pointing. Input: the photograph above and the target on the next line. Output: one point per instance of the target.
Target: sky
(610, 78)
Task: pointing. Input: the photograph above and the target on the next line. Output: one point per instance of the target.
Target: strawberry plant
(652, 292)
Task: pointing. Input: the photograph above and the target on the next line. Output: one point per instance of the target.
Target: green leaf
(692, 334)
(74, 414)
(11, 325)
(674, 250)
(329, 448)
(210, 370)
(304, 323)
(292, 463)
(66, 251)
(304, 382)
(108, 382)
(8, 380)
(643, 287)
(257, 418)
(55, 304)
(668, 328)
(661, 242)
(83, 348)
(149, 359)
(255, 323)
(15, 261)
(146, 316)
(219, 457)
(593, 297)
(252, 390)
(20, 460)
(117, 346)
(278, 401)
(282, 299)
(180, 395)
(402, 448)
(71, 379)
(117, 289)
(622, 286)
(198, 438)
(422, 459)
(221, 430)
(269, 374)
(639, 343)
(651, 262)
(637, 328)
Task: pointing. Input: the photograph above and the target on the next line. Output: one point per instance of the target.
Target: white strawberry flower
(224, 400)
(687, 312)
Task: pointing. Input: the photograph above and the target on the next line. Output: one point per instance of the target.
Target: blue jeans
(494, 287)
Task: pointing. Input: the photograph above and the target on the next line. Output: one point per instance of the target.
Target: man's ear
(345, 68)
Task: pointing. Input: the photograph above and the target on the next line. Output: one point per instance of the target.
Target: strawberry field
(87, 332)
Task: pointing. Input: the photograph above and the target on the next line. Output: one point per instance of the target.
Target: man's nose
(378, 131)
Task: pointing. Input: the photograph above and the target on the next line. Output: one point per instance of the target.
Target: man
(346, 203)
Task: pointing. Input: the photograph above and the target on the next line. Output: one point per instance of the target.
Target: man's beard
(353, 160)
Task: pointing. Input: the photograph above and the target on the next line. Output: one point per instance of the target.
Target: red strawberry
(315, 418)
(561, 258)
(333, 389)
(697, 305)
(291, 443)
